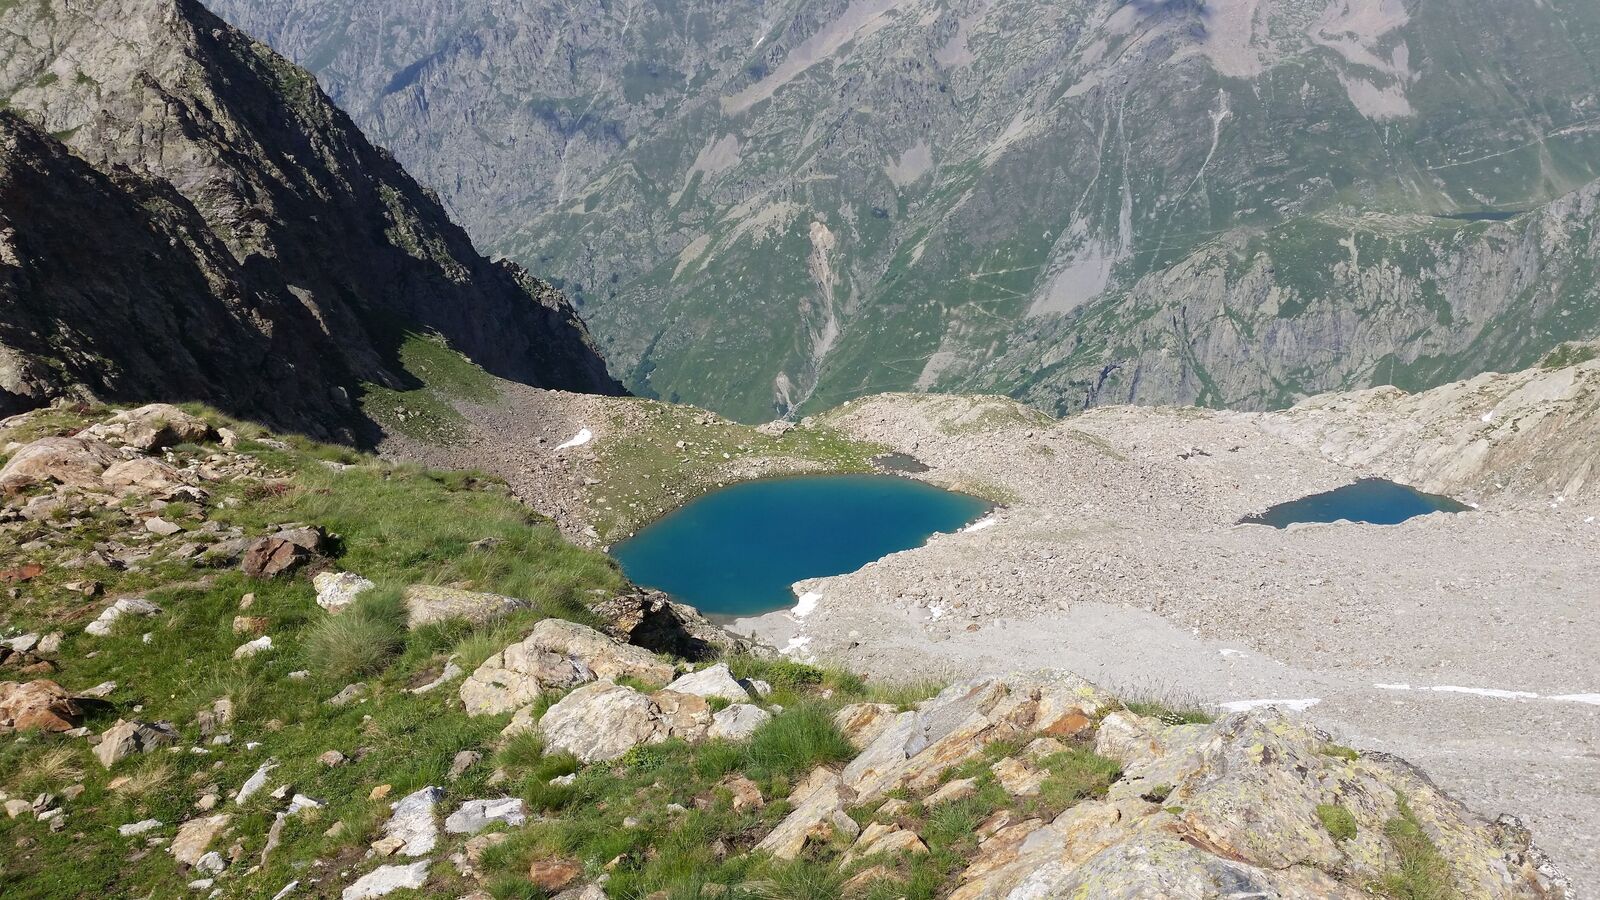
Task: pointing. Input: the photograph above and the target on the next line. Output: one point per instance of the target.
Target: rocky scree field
(243, 666)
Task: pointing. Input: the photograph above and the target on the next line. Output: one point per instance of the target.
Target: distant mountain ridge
(184, 215)
(772, 206)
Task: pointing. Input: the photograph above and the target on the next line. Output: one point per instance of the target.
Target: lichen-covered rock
(738, 722)
(412, 823)
(427, 603)
(556, 654)
(862, 723)
(337, 590)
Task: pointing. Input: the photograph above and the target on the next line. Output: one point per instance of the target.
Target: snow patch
(1293, 705)
(980, 525)
(584, 436)
(806, 605)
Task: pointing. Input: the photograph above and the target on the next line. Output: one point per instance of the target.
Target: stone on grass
(451, 673)
(256, 781)
(959, 789)
(337, 590)
(39, 705)
(602, 721)
(412, 822)
(251, 648)
(137, 828)
(73, 461)
(152, 427)
(195, 836)
(211, 863)
(386, 880)
(714, 681)
(737, 722)
(159, 526)
(476, 815)
(124, 739)
(126, 606)
(281, 553)
(426, 603)
(463, 761)
(554, 875)
(350, 694)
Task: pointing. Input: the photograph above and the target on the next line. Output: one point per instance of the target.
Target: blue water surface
(1370, 500)
(737, 551)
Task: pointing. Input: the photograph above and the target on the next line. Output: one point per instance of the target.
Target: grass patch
(361, 640)
(1423, 873)
(1077, 774)
(797, 740)
(1339, 821)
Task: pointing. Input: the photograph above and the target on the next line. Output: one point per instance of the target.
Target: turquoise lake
(736, 551)
(1371, 500)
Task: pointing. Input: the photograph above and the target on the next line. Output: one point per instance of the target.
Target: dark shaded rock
(281, 553)
(652, 620)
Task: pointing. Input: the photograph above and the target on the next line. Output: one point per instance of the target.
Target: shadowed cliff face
(775, 205)
(219, 231)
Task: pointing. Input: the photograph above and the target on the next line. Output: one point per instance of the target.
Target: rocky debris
(463, 761)
(159, 526)
(281, 553)
(332, 758)
(152, 427)
(602, 721)
(557, 654)
(78, 462)
(337, 590)
(37, 705)
(386, 880)
(880, 838)
(126, 606)
(737, 722)
(427, 603)
(475, 815)
(411, 830)
(652, 620)
(715, 681)
(125, 738)
(194, 838)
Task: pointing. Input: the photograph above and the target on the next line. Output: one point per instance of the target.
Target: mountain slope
(772, 203)
(265, 252)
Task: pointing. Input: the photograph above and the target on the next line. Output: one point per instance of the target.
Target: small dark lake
(736, 551)
(1372, 501)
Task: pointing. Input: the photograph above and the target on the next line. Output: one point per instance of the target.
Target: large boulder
(427, 603)
(152, 427)
(556, 655)
(281, 553)
(74, 461)
(602, 721)
(39, 705)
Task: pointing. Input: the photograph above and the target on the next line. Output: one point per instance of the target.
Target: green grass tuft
(1338, 820)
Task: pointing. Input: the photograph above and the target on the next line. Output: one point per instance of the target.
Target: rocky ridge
(778, 206)
(268, 258)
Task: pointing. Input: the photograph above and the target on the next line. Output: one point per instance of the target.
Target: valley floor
(1464, 643)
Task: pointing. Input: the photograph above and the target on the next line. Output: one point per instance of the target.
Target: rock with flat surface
(385, 880)
(602, 721)
(427, 603)
(556, 654)
(126, 606)
(738, 722)
(713, 681)
(39, 705)
(819, 798)
(476, 815)
(337, 590)
(143, 473)
(412, 822)
(861, 723)
(194, 838)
